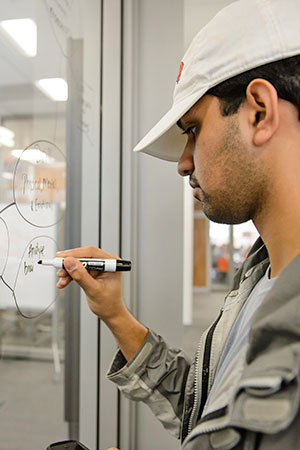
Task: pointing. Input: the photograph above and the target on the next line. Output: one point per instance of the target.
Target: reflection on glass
(219, 251)
(219, 236)
(24, 34)
(244, 236)
(229, 247)
(33, 116)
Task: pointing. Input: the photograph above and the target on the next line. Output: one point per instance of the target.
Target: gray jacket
(256, 405)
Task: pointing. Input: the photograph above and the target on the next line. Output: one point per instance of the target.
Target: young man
(237, 100)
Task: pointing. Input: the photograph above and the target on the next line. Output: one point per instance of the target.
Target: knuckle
(92, 250)
(75, 275)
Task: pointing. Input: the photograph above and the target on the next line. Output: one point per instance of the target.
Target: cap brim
(164, 140)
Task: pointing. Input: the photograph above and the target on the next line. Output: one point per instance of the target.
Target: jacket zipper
(196, 393)
(205, 373)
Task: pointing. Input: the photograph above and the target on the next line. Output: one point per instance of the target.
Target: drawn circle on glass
(34, 286)
(39, 184)
(4, 246)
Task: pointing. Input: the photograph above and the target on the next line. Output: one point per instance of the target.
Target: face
(224, 171)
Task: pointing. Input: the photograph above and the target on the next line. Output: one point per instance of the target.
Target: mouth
(197, 193)
(193, 183)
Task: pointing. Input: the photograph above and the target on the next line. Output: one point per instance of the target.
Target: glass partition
(46, 102)
(218, 249)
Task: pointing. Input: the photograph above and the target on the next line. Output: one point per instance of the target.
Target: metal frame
(150, 188)
(111, 199)
(90, 223)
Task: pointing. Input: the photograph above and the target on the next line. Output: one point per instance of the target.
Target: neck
(279, 229)
(278, 220)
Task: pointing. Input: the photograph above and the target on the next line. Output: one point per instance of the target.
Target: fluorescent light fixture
(54, 88)
(32, 155)
(7, 175)
(7, 137)
(24, 34)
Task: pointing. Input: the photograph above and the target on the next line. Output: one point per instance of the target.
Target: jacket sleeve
(157, 376)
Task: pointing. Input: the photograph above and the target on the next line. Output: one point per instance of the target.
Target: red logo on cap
(180, 71)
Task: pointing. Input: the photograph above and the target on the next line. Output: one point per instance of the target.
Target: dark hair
(284, 75)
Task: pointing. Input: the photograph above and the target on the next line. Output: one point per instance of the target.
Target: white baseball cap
(244, 35)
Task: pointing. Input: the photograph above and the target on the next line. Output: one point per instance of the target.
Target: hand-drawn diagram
(37, 192)
(31, 211)
(39, 202)
(4, 246)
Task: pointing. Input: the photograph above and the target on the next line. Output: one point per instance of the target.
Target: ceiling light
(55, 88)
(7, 175)
(24, 33)
(7, 137)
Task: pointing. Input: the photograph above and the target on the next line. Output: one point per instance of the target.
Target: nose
(185, 164)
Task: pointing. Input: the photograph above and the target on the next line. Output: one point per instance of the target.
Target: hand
(103, 289)
(104, 295)
(112, 448)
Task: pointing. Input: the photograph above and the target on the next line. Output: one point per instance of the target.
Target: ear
(262, 99)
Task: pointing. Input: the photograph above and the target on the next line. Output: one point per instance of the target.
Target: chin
(224, 215)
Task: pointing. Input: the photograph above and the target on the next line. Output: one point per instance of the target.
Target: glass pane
(225, 249)
(218, 249)
(244, 236)
(42, 96)
(31, 221)
(219, 238)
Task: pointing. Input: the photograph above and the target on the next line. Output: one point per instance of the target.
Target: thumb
(112, 448)
(79, 274)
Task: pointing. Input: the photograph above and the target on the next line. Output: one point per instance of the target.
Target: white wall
(197, 13)
(156, 201)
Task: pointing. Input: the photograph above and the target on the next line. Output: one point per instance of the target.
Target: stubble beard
(241, 196)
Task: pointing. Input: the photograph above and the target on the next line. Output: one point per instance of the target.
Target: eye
(191, 131)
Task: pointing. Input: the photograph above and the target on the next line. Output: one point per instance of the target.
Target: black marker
(103, 265)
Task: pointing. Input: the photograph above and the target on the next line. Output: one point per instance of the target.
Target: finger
(96, 273)
(62, 273)
(86, 252)
(78, 273)
(63, 282)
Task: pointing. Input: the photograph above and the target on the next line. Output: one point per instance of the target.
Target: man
(237, 100)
